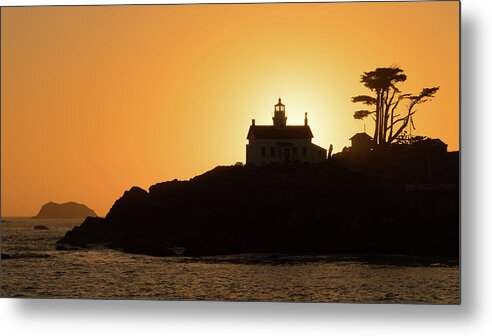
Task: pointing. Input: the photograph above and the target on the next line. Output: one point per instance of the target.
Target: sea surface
(36, 270)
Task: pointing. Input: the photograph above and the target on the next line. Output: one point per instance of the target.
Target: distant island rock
(341, 206)
(69, 210)
(40, 227)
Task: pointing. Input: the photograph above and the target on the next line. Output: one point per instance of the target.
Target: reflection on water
(35, 269)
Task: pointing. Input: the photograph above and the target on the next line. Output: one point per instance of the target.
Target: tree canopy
(384, 105)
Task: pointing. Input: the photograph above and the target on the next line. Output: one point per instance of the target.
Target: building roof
(436, 141)
(360, 136)
(279, 102)
(318, 147)
(431, 143)
(288, 132)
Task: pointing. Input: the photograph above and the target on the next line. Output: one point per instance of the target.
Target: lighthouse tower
(280, 143)
(279, 118)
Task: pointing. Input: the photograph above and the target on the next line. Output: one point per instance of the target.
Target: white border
(473, 317)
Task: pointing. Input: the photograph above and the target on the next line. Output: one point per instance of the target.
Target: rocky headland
(345, 205)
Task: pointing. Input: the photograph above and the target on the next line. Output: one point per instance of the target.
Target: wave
(27, 255)
(292, 259)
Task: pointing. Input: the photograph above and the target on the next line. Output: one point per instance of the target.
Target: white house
(280, 143)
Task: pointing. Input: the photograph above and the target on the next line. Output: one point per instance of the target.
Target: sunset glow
(98, 99)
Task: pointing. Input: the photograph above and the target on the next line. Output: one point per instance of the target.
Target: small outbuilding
(361, 143)
(435, 146)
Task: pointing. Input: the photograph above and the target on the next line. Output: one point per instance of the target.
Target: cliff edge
(311, 209)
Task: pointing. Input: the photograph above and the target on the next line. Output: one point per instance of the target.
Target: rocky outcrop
(69, 210)
(315, 209)
(40, 227)
(92, 231)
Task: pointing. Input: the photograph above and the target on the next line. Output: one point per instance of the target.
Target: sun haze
(96, 99)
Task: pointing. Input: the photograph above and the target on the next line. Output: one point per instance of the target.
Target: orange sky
(98, 99)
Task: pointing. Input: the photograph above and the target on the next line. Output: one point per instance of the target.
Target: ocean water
(37, 270)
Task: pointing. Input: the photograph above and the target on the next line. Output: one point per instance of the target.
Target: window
(304, 151)
(272, 151)
(263, 151)
(294, 151)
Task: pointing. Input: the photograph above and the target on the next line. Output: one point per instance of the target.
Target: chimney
(305, 119)
(252, 122)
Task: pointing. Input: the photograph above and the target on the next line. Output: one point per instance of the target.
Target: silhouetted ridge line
(335, 207)
(69, 210)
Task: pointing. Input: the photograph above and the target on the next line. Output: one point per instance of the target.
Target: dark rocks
(70, 210)
(311, 209)
(94, 230)
(5, 256)
(40, 227)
